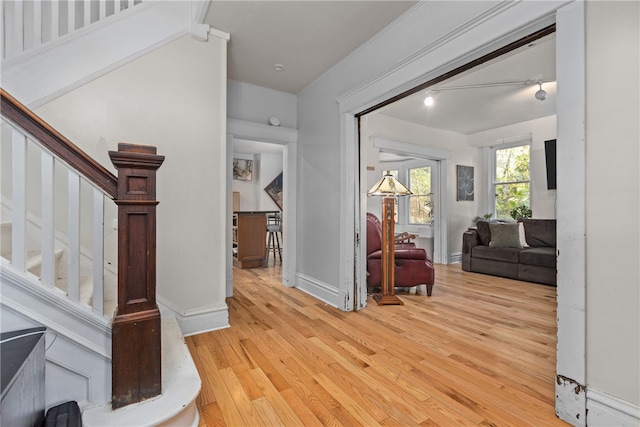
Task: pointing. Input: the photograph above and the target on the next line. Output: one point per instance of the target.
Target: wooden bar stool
(274, 231)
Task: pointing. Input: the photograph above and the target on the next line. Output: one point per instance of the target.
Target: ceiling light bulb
(428, 101)
(541, 94)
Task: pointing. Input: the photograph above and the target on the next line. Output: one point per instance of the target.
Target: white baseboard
(197, 321)
(606, 410)
(455, 258)
(320, 290)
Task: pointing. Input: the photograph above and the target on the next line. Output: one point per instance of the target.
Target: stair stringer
(54, 69)
(78, 341)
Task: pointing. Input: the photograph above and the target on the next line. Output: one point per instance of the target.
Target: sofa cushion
(543, 257)
(496, 254)
(540, 232)
(505, 235)
(484, 232)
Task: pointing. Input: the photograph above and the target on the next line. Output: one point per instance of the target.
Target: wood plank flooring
(480, 351)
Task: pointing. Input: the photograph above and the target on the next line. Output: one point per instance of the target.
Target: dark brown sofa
(533, 262)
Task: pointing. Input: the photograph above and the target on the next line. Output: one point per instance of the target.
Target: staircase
(59, 263)
(44, 56)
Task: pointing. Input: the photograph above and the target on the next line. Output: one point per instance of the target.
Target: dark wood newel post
(136, 364)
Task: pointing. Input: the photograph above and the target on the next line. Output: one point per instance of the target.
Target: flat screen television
(550, 157)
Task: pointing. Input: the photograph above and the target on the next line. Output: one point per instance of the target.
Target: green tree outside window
(420, 203)
(512, 184)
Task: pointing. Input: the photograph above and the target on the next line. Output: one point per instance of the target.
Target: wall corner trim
(571, 401)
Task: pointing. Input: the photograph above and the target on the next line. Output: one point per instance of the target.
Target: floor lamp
(389, 188)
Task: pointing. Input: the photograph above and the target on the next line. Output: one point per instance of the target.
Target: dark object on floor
(64, 415)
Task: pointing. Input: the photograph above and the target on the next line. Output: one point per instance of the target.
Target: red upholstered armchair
(412, 266)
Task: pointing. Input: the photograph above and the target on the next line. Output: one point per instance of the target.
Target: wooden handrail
(53, 140)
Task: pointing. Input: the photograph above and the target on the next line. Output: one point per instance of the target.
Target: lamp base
(387, 299)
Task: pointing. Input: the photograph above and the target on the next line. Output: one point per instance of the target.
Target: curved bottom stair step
(181, 384)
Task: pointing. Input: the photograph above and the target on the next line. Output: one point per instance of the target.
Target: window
(420, 203)
(512, 179)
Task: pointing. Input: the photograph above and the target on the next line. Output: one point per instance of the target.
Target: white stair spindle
(102, 10)
(71, 16)
(98, 251)
(37, 23)
(3, 35)
(47, 275)
(27, 26)
(73, 273)
(13, 27)
(55, 20)
(87, 13)
(19, 195)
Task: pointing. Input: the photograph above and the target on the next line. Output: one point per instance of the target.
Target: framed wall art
(464, 183)
(274, 190)
(242, 169)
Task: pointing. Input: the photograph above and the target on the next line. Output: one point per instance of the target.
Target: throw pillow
(523, 238)
(505, 235)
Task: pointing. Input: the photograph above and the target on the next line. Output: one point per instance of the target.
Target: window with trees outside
(512, 179)
(420, 202)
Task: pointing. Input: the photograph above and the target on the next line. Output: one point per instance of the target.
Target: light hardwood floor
(480, 351)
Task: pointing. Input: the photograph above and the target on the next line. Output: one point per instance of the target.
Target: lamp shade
(389, 186)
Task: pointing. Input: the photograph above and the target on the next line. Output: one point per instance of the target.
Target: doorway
(571, 66)
(455, 129)
(278, 155)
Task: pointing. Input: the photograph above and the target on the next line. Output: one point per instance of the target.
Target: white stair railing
(26, 25)
(71, 260)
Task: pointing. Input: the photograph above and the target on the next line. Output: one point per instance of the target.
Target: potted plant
(521, 212)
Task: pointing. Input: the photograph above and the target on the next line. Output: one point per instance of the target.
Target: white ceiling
(309, 37)
(471, 110)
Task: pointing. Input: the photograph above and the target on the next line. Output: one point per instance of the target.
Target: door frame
(288, 138)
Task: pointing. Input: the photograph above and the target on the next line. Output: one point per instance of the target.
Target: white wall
(256, 104)
(173, 98)
(613, 192)
(543, 201)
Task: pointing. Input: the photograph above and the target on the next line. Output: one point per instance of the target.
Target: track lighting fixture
(541, 94)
